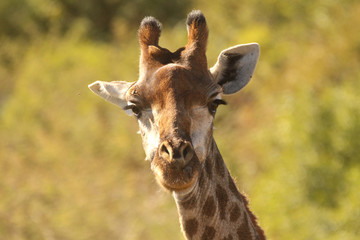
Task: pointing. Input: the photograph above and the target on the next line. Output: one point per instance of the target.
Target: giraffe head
(176, 97)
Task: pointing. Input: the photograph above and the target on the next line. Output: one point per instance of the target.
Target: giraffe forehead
(174, 84)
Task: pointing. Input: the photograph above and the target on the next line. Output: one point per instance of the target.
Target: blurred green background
(71, 165)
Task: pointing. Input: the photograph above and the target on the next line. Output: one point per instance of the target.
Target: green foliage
(72, 166)
(103, 18)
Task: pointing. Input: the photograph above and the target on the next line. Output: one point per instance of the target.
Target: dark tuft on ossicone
(151, 22)
(197, 39)
(196, 17)
(149, 31)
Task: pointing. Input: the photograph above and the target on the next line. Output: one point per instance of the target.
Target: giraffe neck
(214, 208)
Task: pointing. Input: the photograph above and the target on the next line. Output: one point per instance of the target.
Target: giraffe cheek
(150, 145)
(201, 131)
(200, 139)
(150, 138)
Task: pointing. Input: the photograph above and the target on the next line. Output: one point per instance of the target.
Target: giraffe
(174, 101)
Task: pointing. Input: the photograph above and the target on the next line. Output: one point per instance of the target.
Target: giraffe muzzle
(176, 165)
(179, 154)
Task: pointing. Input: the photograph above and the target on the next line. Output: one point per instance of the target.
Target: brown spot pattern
(208, 168)
(191, 227)
(243, 199)
(222, 199)
(219, 165)
(209, 233)
(235, 213)
(234, 189)
(243, 231)
(209, 207)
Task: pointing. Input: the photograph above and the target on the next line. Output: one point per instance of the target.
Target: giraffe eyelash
(219, 102)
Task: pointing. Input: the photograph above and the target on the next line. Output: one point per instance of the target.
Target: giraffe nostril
(186, 151)
(164, 149)
(181, 154)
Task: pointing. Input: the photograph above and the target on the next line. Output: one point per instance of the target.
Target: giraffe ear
(235, 67)
(113, 92)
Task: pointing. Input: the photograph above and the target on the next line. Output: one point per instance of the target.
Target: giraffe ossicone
(174, 101)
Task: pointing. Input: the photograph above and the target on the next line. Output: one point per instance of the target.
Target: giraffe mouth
(175, 177)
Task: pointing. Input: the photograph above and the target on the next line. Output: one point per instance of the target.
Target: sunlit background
(72, 166)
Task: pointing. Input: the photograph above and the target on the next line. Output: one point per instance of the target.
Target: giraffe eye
(214, 105)
(136, 110)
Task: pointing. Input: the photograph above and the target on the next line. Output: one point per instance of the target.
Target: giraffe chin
(177, 188)
(174, 178)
